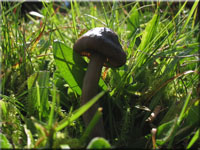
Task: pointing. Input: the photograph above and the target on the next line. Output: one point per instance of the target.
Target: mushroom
(102, 46)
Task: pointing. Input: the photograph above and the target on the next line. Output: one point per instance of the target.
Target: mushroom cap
(103, 41)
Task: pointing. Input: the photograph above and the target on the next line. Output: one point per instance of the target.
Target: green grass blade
(77, 8)
(133, 22)
(147, 37)
(74, 19)
(105, 13)
(38, 101)
(96, 19)
(182, 114)
(38, 94)
(180, 118)
(190, 14)
(51, 115)
(13, 7)
(93, 13)
(3, 109)
(79, 112)
(194, 139)
(180, 10)
(91, 125)
(112, 16)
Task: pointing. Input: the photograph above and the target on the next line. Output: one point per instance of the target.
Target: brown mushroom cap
(103, 41)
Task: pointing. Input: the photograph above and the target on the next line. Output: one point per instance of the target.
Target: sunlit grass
(40, 95)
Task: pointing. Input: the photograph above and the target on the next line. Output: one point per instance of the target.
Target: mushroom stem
(90, 89)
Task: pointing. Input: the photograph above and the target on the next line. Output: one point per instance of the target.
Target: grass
(41, 77)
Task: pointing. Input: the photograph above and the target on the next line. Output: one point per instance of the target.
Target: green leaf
(192, 115)
(149, 32)
(4, 142)
(71, 66)
(98, 142)
(64, 146)
(164, 132)
(148, 35)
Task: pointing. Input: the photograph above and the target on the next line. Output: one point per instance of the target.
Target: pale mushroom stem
(90, 89)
